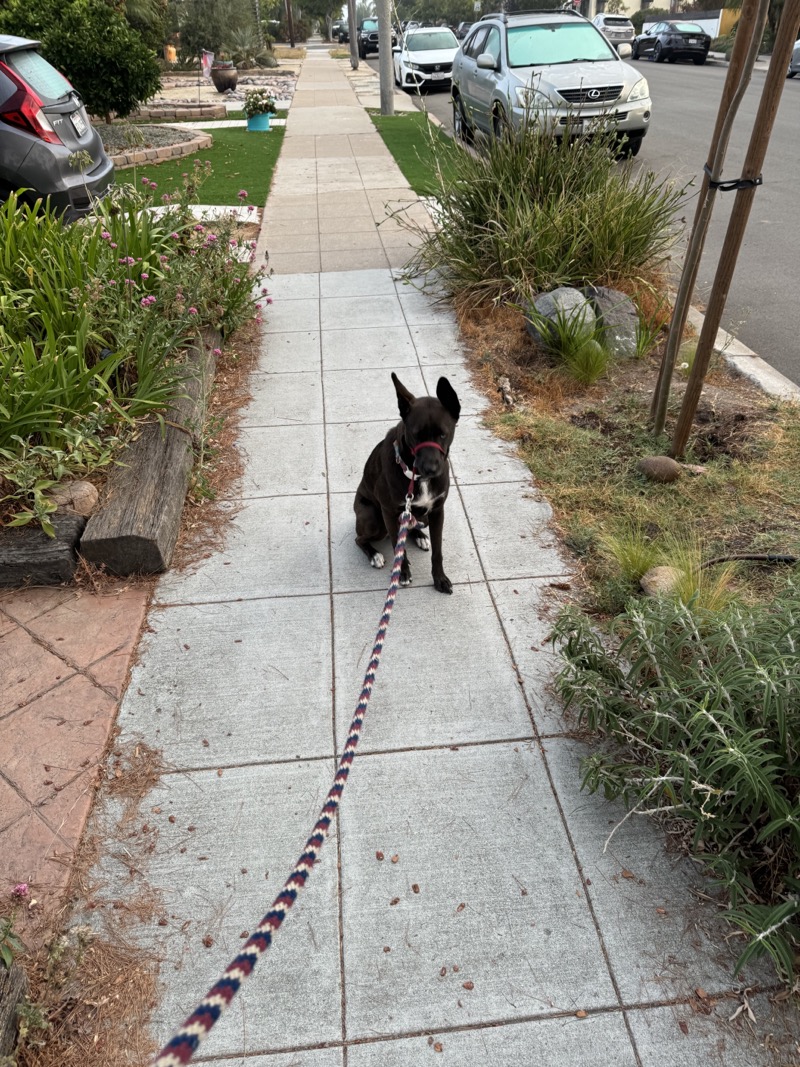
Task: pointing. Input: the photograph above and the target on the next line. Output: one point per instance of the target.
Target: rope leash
(182, 1047)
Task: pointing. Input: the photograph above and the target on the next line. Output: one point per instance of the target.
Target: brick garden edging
(159, 155)
(178, 112)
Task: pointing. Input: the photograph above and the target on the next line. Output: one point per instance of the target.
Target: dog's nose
(428, 465)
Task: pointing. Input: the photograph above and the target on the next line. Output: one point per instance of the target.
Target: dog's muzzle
(426, 469)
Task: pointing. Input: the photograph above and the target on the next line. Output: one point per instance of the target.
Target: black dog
(420, 442)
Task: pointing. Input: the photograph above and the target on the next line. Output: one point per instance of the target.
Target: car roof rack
(567, 9)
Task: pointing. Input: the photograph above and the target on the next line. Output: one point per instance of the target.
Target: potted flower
(224, 74)
(259, 106)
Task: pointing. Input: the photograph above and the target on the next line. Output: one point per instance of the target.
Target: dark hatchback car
(671, 41)
(42, 124)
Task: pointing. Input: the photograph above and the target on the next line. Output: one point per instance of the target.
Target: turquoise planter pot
(258, 123)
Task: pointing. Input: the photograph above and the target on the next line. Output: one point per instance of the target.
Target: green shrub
(700, 717)
(532, 214)
(94, 322)
(92, 45)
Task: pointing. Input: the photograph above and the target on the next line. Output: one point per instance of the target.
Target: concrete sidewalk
(465, 908)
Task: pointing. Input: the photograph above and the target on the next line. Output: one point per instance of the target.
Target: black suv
(367, 36)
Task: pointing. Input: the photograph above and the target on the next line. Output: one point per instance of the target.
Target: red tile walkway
(64, 659)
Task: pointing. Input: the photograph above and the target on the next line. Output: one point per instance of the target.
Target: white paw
(423, 543)
(377, 560)
(406, 581)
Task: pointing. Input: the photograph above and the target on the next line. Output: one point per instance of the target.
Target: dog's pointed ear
(447, 398)
(404, 398)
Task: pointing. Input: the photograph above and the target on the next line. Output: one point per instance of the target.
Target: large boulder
(565, 302)
(618, 318)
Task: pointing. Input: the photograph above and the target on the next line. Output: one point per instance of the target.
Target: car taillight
(24, 110)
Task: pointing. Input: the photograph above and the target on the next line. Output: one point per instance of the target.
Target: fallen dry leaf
(393, 901)
(461, 907)
(438, 1046)
(443, 972)
(415, 888)
(378, 855)
(395, 859)
(581, 1014)
(467, 985)
(684, 1027)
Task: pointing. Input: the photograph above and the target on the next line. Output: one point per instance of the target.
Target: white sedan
(425, 57)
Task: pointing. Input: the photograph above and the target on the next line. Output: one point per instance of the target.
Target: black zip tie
(734, 183)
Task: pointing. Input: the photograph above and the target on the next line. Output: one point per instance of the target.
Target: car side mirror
(396, 50)
(624, 50)
(486, 61)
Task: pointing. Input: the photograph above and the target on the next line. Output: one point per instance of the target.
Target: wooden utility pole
(385, 60)
(290, 22)
(745, 50)
(751, 171)
(352, 22)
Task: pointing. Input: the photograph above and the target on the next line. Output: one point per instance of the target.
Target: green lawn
(239, 160)
(417, 146)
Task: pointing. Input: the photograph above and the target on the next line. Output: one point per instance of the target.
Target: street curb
(745, 362)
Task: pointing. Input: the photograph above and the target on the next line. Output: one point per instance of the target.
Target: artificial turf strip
(239, 160)
(417, 147)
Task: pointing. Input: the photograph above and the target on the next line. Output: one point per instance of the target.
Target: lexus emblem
(438, 67)
(594, 94)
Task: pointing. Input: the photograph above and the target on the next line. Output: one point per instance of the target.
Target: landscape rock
(660, 468)
(660, 581)
(618, 318)
(565, 301)
(79, 496)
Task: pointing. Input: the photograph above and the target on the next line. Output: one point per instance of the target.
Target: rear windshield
(34, 69)
(687, 27)
(610, 20)
(538, 46)
(427, 42)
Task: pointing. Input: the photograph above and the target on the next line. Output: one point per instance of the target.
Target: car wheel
(658, 53)
(500, 126)
(635, 50)
(630, 147)
(461, 127)
(791, 74)
(698, 60)
(397, 79)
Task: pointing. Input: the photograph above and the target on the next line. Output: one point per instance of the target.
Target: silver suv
(617, 28)
(551, 68)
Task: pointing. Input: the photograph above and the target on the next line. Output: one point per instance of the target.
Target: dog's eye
(442, 436)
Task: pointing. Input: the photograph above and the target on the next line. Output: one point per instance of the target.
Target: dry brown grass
(582, 444)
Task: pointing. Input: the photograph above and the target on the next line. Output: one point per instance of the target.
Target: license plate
(693, 40)
(437, 77)
(78, 122)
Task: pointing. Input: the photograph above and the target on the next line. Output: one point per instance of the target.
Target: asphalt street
(762, 310)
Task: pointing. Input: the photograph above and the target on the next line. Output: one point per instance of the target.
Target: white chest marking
(423, 497)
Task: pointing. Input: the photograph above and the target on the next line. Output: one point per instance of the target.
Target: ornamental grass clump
(699, 715)
(531, 213)
(95, 322)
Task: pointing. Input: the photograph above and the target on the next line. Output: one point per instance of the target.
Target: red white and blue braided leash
(182, 1047)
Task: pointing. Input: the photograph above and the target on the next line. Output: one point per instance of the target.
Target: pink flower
(147, 301)
(174, 236)
(106, 235)
(144, 276)
(112, 245)
(269, 299)
(163, 259)
(20, 891)
(243, 194)
(217, 351)
(192, 311)
(251, 207)
(199, 228)
(145, 181)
